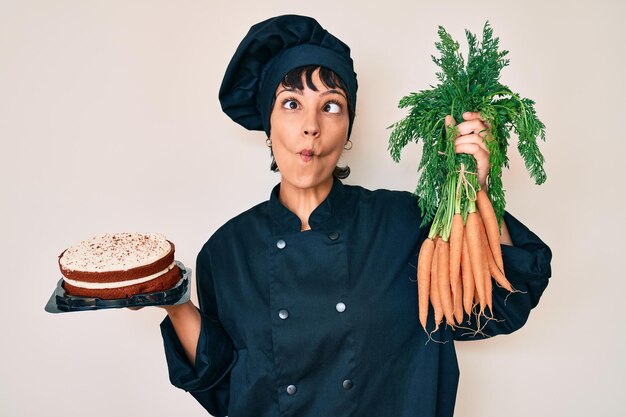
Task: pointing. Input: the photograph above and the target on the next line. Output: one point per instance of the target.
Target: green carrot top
(449, 179)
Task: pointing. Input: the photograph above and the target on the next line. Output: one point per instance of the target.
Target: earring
(268, 142)
(348, 144)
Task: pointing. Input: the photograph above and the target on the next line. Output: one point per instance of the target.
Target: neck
(302, 201)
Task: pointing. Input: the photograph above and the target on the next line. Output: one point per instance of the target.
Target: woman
(308, 301)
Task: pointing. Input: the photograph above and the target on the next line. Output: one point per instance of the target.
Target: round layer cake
(119, 265)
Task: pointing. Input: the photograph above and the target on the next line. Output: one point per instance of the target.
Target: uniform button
(333, 235)
(283, 314)
(347, 384)
(291, 389)
(281, 244)
(341, 307)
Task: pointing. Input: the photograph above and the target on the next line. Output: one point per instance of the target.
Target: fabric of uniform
(325, 322)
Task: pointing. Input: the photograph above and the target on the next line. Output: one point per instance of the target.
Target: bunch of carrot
(454, 270)
(462, 253)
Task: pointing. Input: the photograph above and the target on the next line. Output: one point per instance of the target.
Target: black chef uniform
(325, 322)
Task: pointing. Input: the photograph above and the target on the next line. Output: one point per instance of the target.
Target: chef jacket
(324, 323)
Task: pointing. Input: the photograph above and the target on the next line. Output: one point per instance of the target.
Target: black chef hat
(267, 53)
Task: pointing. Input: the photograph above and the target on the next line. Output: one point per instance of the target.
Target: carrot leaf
(466, 86)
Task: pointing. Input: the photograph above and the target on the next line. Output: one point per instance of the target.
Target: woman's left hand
(472, 133)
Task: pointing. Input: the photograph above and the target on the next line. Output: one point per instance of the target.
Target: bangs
(293, 79)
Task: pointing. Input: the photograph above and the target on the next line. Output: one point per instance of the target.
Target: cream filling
(120, 284)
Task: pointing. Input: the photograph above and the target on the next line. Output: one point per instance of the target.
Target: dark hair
(293, 79)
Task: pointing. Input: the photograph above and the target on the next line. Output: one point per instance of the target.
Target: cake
(119, 265)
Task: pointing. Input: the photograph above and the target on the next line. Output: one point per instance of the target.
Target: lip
(306, 155)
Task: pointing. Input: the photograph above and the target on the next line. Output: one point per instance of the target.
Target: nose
(311, 126)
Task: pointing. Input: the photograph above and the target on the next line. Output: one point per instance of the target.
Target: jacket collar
(284, 221)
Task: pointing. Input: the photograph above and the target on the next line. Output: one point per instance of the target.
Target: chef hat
(267, 53)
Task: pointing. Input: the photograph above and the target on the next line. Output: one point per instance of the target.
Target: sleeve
(208, 379)
(527, 267)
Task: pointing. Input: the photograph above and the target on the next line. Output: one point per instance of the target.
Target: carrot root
(435, 299)
(456, 249)
(475, 248)
(443, 281)
(467, 277)
(424, 263)
(491, 226)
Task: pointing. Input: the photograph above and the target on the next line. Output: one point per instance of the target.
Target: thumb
(450, 121)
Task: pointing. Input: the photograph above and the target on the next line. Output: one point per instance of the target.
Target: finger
(472, 149)
(471, 115)
(473, 138)
(450, 121)
(476, 115)
(472, 126)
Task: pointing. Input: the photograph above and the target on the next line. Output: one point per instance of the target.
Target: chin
(308, 181)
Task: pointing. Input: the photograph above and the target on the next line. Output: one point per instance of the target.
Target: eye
(332, 107)
(290, 104)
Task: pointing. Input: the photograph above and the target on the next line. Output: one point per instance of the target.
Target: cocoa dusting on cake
(114, 252)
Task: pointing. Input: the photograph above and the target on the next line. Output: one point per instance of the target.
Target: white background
(109, 121)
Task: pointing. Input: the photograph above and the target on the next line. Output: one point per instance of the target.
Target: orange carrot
(424, 261)
(467, 278)
(475, 247)
(443, 271)
(495, 272)
(456, 247)
(491, 226)
(434, 286)
(485, 265)
(458, 302)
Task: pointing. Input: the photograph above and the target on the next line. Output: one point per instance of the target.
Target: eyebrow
(333, 91)
(293, 90)
(325, 93)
